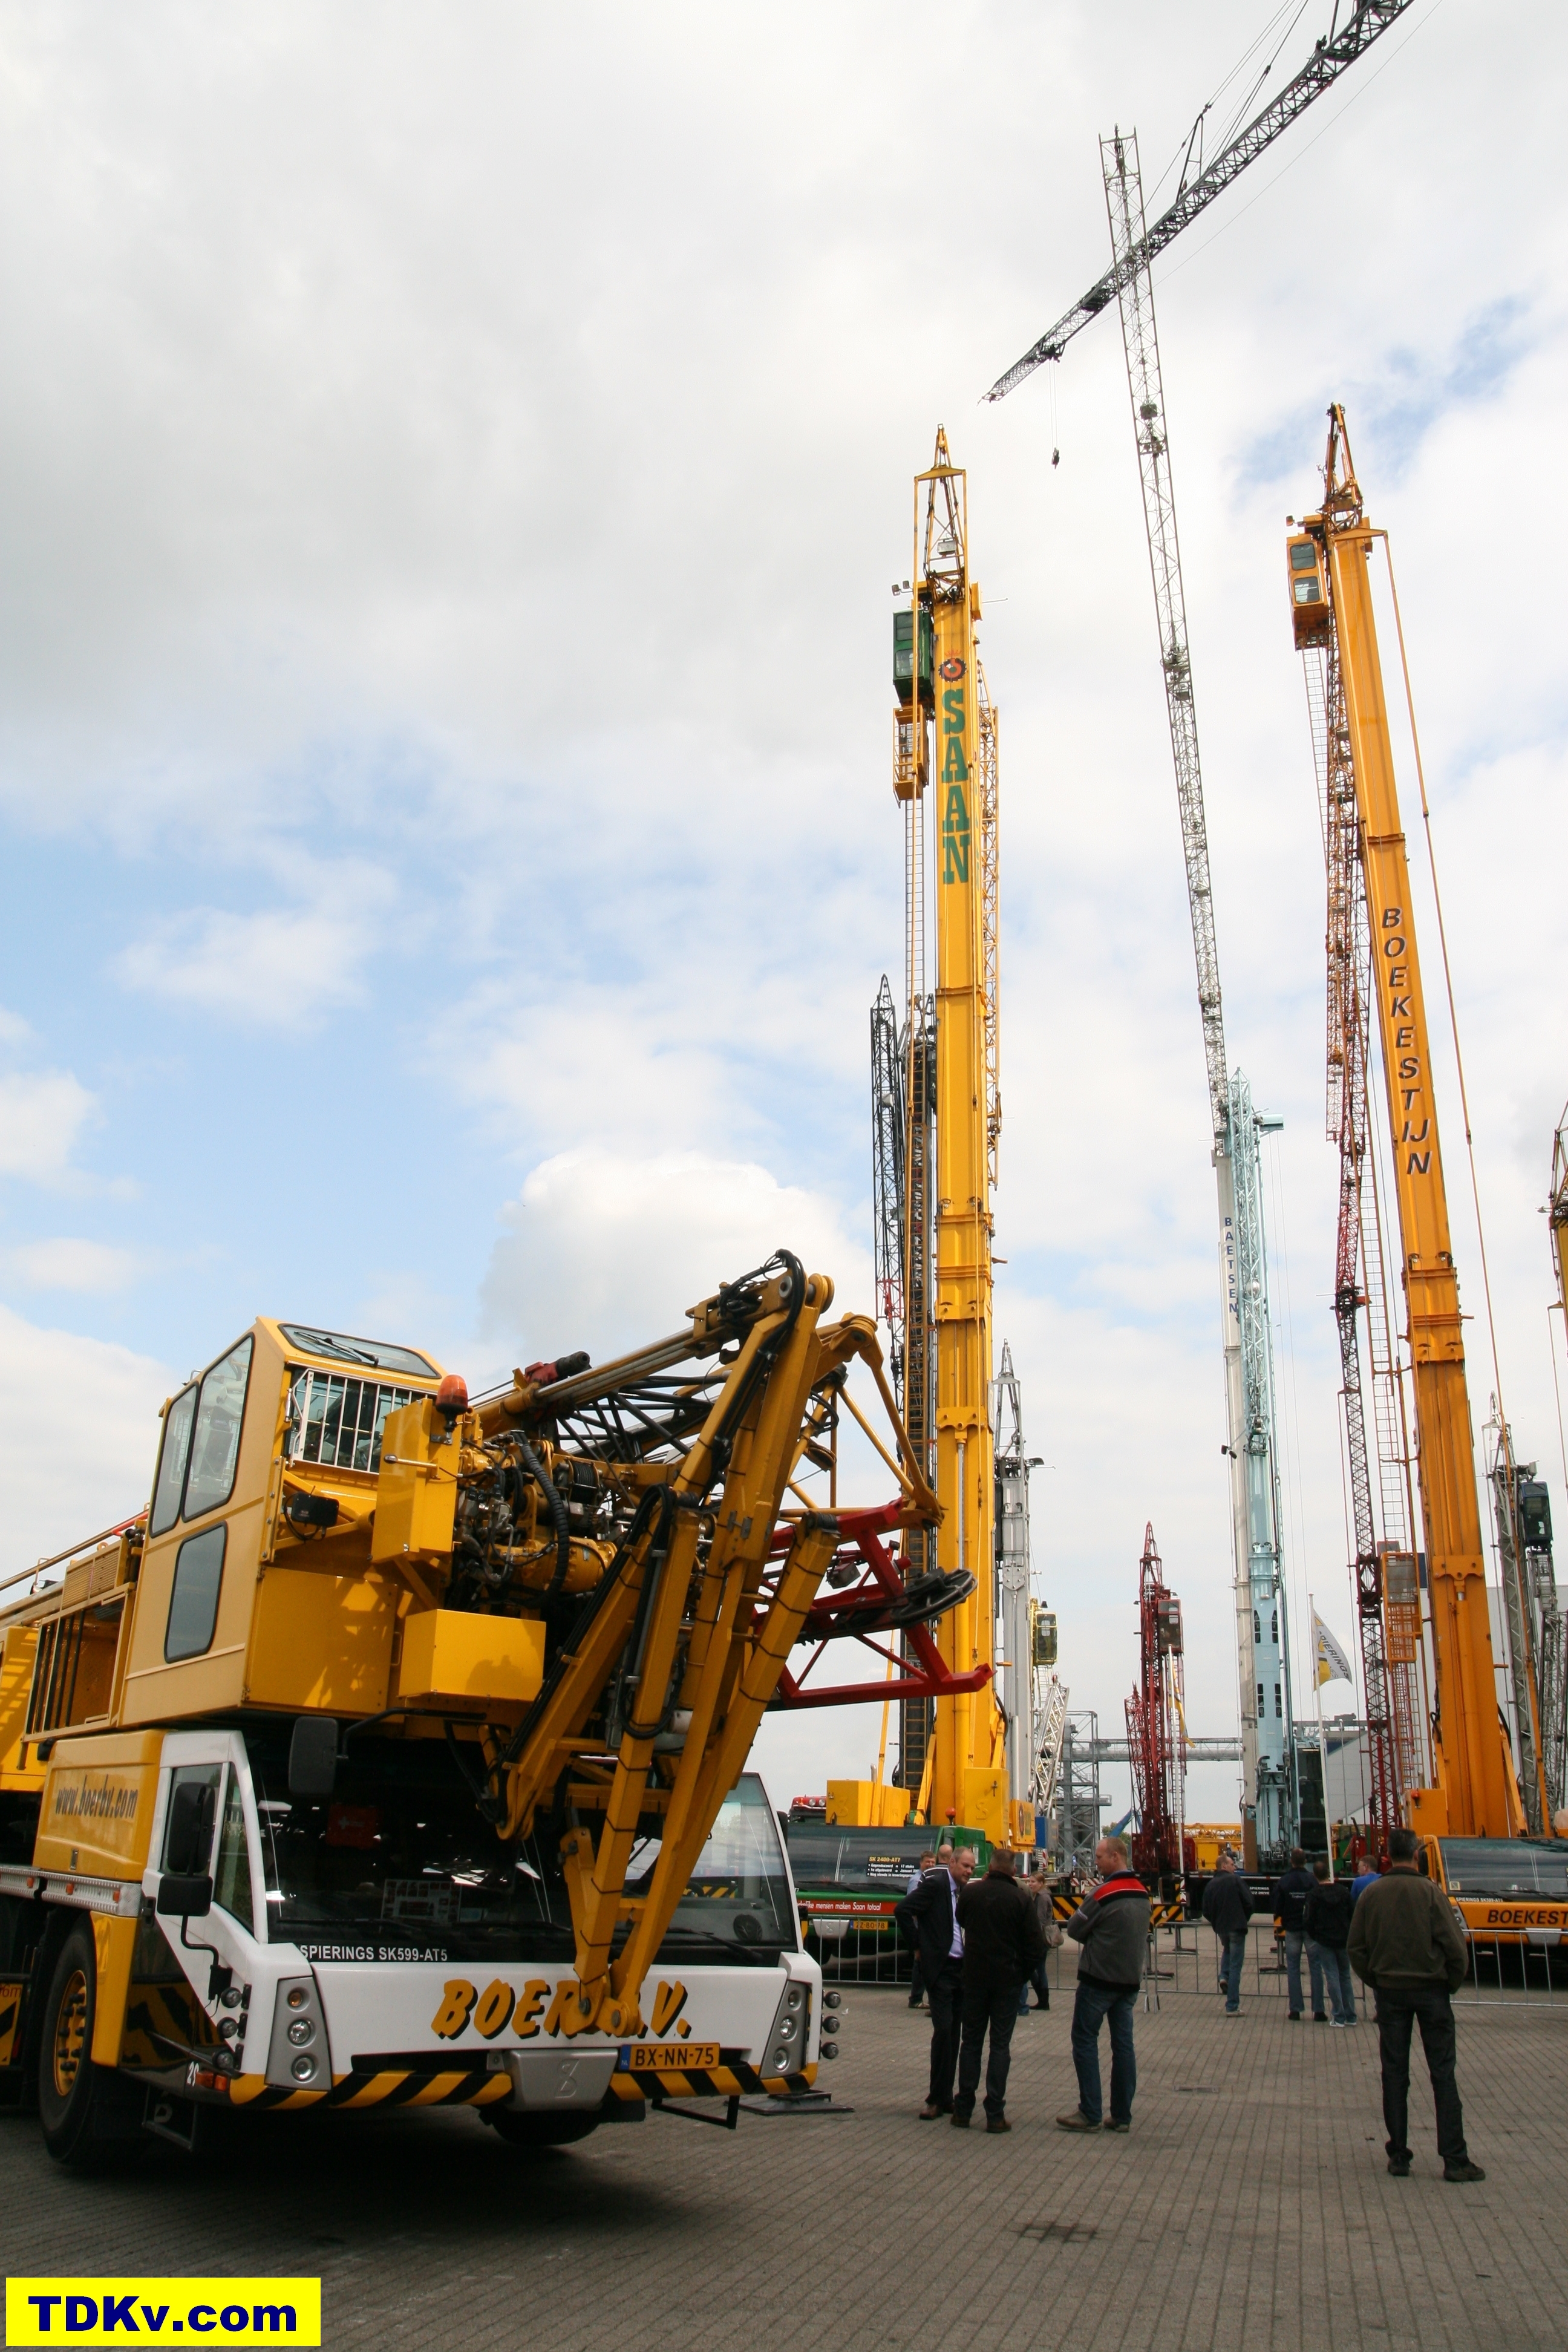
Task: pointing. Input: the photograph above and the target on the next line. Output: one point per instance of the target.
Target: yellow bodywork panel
(99, 1800)
(985, 1806)
(450, 1653)
(15, 1682)
(322, 1640)
(114, 1947)
(416, 1489)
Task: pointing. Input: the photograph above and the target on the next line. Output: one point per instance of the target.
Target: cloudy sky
(453, 462)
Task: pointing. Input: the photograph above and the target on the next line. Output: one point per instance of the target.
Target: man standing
(1038, 1890)
(931, 1915)
(1406, 1945)
(1228, 1908)
(1002, 1943)
(1289, 1925)
(1329, 1908)
(1112, 1926)
(917, 1989)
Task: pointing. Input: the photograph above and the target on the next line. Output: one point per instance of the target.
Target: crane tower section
(1016, 1617)
(1328, 562)
(1262, 1635)
(945, 773)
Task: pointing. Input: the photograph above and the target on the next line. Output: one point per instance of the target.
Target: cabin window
(171, 1482)
(1303, 556)
(215, 1451)
(231, 1879)
(1308, 592)
(193, 1603)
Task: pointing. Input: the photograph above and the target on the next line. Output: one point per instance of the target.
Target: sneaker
(1228, 2011)
(1466, 2172)
(997, 2123)
(1400, 2167)
(1341, 2022)
(1111, 2125)
(959, 2122)
(1077, 2121)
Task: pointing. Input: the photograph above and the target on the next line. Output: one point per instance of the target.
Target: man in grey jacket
(1406, 1944)
(1111, 1926)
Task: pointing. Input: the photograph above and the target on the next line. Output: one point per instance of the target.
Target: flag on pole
(1334, 1666)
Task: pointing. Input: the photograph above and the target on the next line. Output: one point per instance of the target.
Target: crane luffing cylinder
(1477, 1794)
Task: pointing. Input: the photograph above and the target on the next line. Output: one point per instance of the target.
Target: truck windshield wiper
(749, 1953)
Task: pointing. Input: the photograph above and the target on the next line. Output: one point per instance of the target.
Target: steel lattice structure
(1153, 1723)
(1261, 1629)
(1370, 21)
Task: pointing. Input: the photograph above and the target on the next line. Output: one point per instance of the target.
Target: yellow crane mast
(1477, 1794)
(946, 738)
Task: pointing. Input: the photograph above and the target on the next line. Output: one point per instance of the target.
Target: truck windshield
(399, 1865)
(1499, 1868)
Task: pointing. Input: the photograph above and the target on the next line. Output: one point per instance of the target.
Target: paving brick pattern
(1249, 2205)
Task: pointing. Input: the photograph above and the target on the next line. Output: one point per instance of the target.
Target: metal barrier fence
(1184, 1959)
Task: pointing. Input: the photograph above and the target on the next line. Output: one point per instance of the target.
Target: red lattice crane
(1154, 1725)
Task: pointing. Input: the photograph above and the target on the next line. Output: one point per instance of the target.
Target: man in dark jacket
(1228, 1908)
(1329, 1908)
(1289, 1924)
(1111, 1924)
(930, 1916)
(1003, 1941)
(1405, 1943)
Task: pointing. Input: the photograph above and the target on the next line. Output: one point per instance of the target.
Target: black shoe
(1292, 2017)
(1466, 2172)
(1319, 2017)
(1400, 2167)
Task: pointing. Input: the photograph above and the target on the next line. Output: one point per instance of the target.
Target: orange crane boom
(1477, 1794)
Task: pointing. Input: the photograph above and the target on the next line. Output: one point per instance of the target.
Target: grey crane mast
(1014, 1618)
(1270, 1809)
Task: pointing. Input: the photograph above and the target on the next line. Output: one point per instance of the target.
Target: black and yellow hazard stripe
(10, 2018)
(456, 2086)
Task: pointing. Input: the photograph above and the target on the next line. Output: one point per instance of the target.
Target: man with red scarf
(1111, 1926)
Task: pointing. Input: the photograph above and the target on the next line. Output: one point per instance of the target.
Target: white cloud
(42, 1114)
(280, 968)
(14, 1029)
(57, 1490)
(605, 1251)
(66, 1264)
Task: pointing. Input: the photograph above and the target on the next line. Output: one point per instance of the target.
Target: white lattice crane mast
(1269, 1796)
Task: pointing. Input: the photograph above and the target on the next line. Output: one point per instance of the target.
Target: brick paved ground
(1251, 2191)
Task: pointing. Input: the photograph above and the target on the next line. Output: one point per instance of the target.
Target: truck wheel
(541, 2131)
(90, 2114)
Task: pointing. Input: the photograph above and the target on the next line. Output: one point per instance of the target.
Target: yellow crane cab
(1310, 609)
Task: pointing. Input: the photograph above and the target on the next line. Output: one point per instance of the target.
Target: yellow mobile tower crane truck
(1471, 1816)
(394, 1754)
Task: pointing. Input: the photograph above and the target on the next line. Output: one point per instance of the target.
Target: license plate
(669, 2058)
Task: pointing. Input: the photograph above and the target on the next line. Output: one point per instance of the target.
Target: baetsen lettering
(534, 2009)
(1401, 1030)
(110, 1801)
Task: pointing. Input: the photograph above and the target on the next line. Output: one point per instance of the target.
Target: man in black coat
(1003, 1941)
(929, 1917)
(1228, 1908)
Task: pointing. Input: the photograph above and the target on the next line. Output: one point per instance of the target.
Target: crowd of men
(982, 1943)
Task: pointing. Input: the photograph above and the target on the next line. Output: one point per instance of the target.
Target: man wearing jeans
(1406, 1944)
(1289, 1925)
(1112, 1926)
(1228, 1908)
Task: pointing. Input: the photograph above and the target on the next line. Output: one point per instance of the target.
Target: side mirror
(187, 1843)
(184, 1897)
(313, 1757)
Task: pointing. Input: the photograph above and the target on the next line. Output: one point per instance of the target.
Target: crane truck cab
(395, 1754)
(1504, 1891)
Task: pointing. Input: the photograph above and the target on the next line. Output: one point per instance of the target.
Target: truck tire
(527, 2132)
(89, 2114)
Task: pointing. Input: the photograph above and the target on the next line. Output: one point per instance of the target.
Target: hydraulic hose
(559, 1521)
